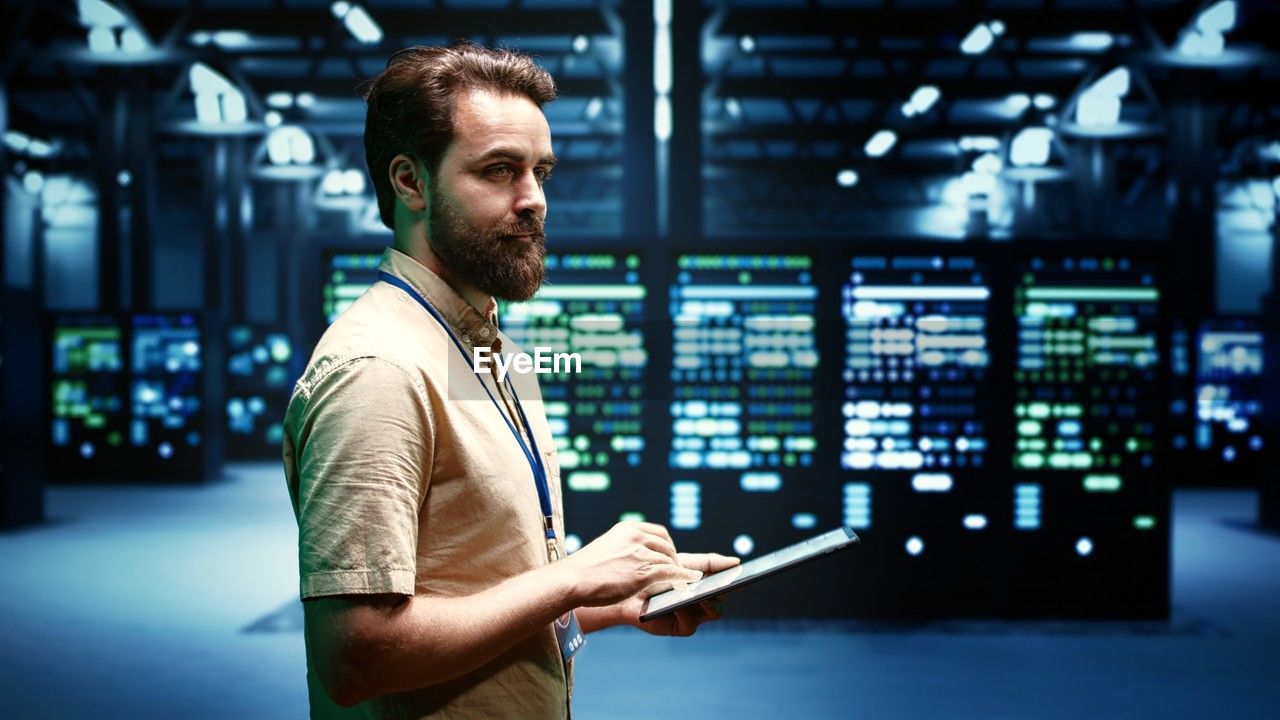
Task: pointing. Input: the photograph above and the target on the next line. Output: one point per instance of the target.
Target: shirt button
(466, 339)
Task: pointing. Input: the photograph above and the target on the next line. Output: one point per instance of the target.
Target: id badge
(569, 635)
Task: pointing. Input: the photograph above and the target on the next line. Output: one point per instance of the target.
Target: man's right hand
(630, 559)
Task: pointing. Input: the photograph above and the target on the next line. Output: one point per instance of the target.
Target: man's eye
(498, 170)
(542, 174)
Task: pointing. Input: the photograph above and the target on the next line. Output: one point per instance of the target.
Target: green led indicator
(1102, 483)
(1144, 522)
(631, 517)
(1031, 461)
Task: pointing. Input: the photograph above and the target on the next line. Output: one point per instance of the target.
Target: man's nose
(529, 196)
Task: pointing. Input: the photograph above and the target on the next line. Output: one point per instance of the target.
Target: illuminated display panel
(743, 371)
(1084, 352)
(165, 393)
(916, 353)
(88, 413)
(259, 381)
(1228, 393)
(592, 305)
(349, 275)
(1089, 397)
(914, 427)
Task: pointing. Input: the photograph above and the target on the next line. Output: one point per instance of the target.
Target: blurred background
(990, 282)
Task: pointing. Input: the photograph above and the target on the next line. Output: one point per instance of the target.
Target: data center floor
(139, 602)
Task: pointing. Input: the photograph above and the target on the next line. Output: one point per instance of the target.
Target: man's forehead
(484, 119)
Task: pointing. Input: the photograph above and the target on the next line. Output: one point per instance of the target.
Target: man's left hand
(685, 621)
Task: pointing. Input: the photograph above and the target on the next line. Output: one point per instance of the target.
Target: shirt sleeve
(364, 454)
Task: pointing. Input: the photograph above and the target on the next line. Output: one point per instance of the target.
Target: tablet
(748, 572)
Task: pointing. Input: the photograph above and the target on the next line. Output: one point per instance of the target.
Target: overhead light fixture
(662, 118)
(218, 101)
(1030, 147)
(352, 181)
(33, 181)
(981, 37)
(280, 100)
(847, 177)
(1099, 104)
(24, 144)
(581, 43)
(1092, 40)
(111, 31)
(1044, 101)
(747, 44)
(1017, 103)
(231, 39)
(662, 80)
(979, 143)
(880, 143)
(290, 145)
(921, 101)
(341, 189)
(40, 149)
(1219, 17)
(1204, 37)
(16, 140)
(358, 22)
(332, 182)
(987, 164)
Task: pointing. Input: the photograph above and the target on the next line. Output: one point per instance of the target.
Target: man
(431, 552)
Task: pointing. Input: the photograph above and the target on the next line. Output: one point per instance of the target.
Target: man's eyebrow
(514, 156)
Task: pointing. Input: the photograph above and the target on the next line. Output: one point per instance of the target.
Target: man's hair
(411, 103)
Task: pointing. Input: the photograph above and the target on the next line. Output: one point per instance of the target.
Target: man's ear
(408, 182)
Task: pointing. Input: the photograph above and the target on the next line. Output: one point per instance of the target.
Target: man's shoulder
(380, 327)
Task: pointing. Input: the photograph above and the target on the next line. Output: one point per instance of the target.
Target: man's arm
(366, 646)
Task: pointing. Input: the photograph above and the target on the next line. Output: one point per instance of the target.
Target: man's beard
(490, 260)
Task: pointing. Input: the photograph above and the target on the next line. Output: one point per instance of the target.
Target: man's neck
(420, 250)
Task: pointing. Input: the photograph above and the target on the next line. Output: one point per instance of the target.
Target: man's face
(486, 202)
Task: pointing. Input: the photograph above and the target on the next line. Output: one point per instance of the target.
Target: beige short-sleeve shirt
(405, 478)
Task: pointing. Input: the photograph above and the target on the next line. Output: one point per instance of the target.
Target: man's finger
(707, 562)
(655, 529)
(662, 545)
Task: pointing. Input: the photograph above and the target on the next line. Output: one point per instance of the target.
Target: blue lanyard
(532, 456)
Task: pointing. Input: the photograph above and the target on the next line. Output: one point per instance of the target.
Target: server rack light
(914, 425)
(916, 353)
(1089, 397)
(743, 434)
(349, 275)
(166, 425)
(592, 305)
(1228, 392)
(259, 380)
(87, 393)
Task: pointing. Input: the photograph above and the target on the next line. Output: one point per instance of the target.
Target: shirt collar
(469, 324)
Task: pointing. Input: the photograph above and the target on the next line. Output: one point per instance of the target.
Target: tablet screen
(748, 572)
